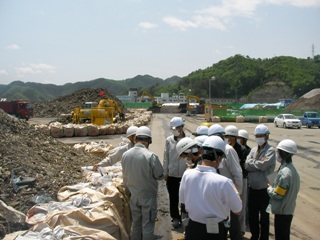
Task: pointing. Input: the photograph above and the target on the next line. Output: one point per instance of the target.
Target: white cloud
(13, 46)
(175, 22)
(147, 25)
(297, 3)
(3, 72)
(218, 16)
(35, 69)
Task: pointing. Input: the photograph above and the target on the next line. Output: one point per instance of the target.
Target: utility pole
(212, 79)
(312, 50)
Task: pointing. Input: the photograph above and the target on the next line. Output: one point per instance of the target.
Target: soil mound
(309, 101)
(66, 104)
(27, 153)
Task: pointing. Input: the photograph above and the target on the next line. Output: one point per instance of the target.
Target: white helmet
(143, 131)
(216, 129)
(215, 142)
(288, 146)
(185, 144)
(176, 122)
(131, 130)
(231, 130)
(202, 130)
(243, 133)
(200, 139)
(261, 129)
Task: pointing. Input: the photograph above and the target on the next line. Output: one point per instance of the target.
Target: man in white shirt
(208, 197)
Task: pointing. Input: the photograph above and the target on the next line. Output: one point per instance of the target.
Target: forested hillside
(237, 77)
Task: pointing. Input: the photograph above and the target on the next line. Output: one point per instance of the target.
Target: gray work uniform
(115, 155)
(141, 169)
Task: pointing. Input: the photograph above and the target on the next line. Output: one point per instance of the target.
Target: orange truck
(20, 109)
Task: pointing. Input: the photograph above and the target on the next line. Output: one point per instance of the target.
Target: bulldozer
(105, 112)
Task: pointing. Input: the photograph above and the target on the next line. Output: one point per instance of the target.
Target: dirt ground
(306, 220)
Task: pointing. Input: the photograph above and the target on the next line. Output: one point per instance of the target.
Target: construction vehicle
(20, 109)
(147, 97)
(192, 103)
(106, 112)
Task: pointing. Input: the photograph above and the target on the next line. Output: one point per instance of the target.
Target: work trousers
(196, 230)
(282, 224)
(242, 217)
(173, 185)
(143, 213)
(258, 217)
(235, 230)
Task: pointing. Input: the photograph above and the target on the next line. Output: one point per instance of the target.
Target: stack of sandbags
(56, 129)
(240, 119)
(263, 119)
(215, 119)
(68, 130)
(80, 130)
(92, 130)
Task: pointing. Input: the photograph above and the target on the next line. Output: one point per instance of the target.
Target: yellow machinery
(191, 102)
(209, 110)
(149, 98)
(106, 112)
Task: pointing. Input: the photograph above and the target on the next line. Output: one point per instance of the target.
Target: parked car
(310, 119)
(287, 121)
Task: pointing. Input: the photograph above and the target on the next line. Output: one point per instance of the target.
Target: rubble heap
(309, 101)
(66, 104)
(27, 153)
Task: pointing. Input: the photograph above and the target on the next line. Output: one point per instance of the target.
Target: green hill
(237, 77)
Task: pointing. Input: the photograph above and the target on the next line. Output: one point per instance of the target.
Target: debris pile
(66, 104)
(26, 153)
(309, 101)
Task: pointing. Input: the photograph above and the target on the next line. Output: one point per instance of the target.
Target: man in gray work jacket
(141, 169)
(260, 162)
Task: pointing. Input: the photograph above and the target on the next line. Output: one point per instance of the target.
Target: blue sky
(66, 41)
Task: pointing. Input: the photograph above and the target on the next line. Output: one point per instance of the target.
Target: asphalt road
(306, 220)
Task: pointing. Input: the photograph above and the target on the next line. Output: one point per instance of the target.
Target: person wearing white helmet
(141, 169)
(260, 162)
(208, 196)
(201, 130)
(174, 166)
(188, 149)
(116, 153)
(230, 168)
(243, 137)
(231, 135)
(284, 190)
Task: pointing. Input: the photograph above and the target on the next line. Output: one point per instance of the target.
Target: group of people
(217, 184)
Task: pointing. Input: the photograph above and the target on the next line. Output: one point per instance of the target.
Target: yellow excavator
(191, 102)
(106, 112)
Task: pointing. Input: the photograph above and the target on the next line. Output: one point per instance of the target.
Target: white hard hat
(131, 130)
(231, 130)
(216, 129)
(288, 146)
(143, 131)
(243, 133)
(176, 122)
(200, 139)
(215, 142)
(261, 129)
(185, 144)
(202, 130)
